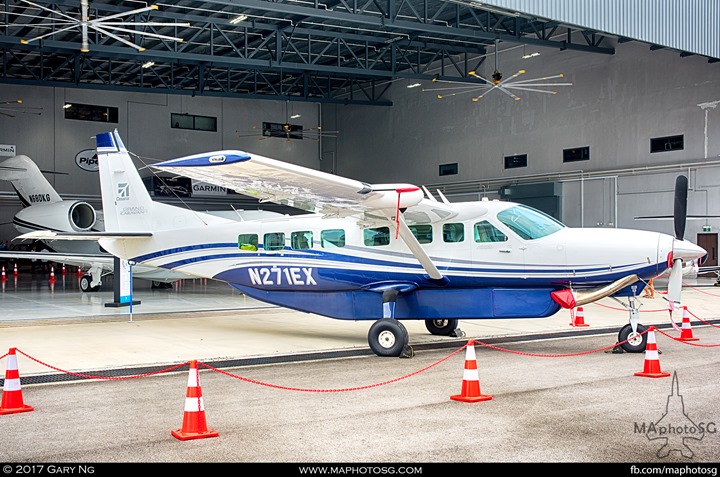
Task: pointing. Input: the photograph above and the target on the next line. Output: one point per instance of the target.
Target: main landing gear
(388, 337)
(92, 280)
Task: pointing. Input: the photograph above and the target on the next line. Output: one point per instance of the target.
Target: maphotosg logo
(675, 430)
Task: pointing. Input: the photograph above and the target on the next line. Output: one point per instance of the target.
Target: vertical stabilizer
(127, 205)
(29, 183)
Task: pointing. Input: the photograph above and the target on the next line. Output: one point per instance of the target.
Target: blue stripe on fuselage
(351, 259)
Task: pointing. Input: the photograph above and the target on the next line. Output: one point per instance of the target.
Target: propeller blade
(674, 290)
(680, 215)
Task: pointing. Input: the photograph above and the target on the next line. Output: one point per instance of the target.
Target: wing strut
(407, 236)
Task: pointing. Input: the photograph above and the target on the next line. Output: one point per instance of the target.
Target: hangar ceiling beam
(333, 52)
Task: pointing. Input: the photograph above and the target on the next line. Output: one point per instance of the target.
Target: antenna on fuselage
(428, 194)
(444, 199)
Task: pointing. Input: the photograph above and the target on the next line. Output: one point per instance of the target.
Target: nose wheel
(633, 341)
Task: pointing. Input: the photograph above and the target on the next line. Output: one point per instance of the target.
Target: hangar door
(709, 241)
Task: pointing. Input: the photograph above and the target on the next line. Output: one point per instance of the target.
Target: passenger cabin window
(529, 223)
(423, 233)
(487, 232)
(274, 241)
(376, 237)
(301, 240)
(453, 233)
(248, 242)
(332, 238)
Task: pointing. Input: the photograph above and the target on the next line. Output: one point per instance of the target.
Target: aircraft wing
(319, 192)
(270, 180)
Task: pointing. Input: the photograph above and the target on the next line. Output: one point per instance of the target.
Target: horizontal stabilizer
(49, 235)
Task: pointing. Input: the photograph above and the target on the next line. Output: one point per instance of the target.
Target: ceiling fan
(103, 25)
(506, 85)
(12, 108)
(287, 130)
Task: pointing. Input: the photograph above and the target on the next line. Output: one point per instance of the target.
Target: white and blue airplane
(378, 252)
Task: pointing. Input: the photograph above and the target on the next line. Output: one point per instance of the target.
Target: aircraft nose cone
(687, 250)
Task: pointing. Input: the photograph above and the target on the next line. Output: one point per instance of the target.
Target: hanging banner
(205, 189)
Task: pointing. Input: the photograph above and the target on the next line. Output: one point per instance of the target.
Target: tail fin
(29, 183)
(127, 205)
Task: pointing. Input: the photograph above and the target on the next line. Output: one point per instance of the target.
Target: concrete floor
(61, 327)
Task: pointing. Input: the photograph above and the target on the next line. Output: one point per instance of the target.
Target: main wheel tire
(161, 285)
(633, 342)
(388, 337)
(441, 327)
(85, 282)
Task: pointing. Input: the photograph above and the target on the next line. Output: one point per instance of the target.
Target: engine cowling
(66, 216)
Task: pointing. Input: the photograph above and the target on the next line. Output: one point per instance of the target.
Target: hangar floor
(62, 328)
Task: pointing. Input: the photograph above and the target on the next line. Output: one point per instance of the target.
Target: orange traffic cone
(194, 425)
(52, 274)
(579, 318)
(12, 400)
(64, 272)
(15, 271)
(3, 273)
(471, 382)
(79, 272)
(652, 358)
(686, 333)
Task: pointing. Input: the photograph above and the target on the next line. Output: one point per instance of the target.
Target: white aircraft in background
(44, 209)
(378, 252)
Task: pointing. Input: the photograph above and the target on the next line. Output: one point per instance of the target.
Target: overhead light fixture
(497, 82)
(527, 55)
(414, 85)
(8, 108)
(238, 19)
(294, 116)
(148, 64)
(67, 105)
(104, 25)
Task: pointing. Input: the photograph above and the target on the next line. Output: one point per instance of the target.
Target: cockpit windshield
(529, 223)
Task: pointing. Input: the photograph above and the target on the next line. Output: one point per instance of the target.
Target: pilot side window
(423, 233)
(376, 237)
(486, 232)
(453, 233)
(332, 238)
(301, 240)
(274, 241)
(248, 242)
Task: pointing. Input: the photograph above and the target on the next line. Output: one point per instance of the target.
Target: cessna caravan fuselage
(498, 260)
